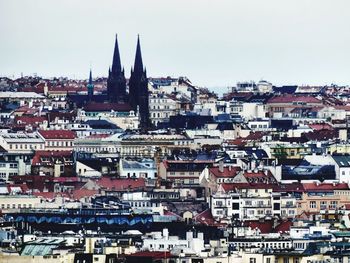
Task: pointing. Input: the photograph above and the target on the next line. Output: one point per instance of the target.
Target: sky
(215, 43)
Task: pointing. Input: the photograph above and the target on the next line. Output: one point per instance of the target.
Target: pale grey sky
(213, 42)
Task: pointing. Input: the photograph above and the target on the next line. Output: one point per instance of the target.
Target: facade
(281, 106)
(162, 107)
(145, 168)
(183, 172)
(22, 143)
(58, 140)
(10, 203)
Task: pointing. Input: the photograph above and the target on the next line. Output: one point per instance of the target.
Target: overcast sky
(213, 42)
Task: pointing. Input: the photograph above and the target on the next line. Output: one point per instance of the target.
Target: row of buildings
(145, 169)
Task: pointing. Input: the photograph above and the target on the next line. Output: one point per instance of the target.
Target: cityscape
(127, 167)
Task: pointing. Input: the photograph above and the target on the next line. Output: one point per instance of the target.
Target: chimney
(221, 166)
(166, 233)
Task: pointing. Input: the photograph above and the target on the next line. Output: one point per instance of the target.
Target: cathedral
(137, 97)
(117, 98)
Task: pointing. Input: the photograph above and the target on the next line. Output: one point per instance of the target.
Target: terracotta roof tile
(58, 134)
(227, 171)
(121, 184)
(293, 98)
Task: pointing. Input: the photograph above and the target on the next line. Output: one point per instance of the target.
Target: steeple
(116, 64)
(90, 87)
(90, 78)
(138, 65)
(138, 90)
(116, 83)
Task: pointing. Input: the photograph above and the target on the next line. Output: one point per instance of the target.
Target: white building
(264, 86)
(161, 107)
(145, 168)
(157, 241)
(140, 202)
(259, 125)
(21, 143)
(99, 144)
(252, 203)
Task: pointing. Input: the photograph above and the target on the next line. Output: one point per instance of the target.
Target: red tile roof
(53, 154)
(320, 126)
(169, 213)
(33, 120)
(58, 134)
(293, 98)
(283, 226)
(293, 187)
(325, 187)
(321, 135)
(238, 142)
(265, 227)
(121, 184)
(24, 188)
(227, 171)
(255, 136)
(206, 218)
(258, 174)
(82, 193)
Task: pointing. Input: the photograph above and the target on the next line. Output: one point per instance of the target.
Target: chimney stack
(221, 166)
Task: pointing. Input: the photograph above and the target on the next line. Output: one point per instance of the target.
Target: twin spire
(116, 64)
(117, 83)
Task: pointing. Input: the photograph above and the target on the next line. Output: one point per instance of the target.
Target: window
(248, 203)
(219, 203)
(333, 205)
(252, 260)
(323, 205)
(313, 204)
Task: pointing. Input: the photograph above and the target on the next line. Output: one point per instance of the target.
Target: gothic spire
(90, 77)
(138, 66)
(90, 87)
(116, 65)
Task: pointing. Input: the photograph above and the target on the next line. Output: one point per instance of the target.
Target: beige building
(323, 199)
(14, 202)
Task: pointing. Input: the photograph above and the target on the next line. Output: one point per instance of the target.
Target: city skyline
(214, 45)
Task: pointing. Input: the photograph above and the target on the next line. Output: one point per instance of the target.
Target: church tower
(90, 88)
(116, 83)
(138, 89)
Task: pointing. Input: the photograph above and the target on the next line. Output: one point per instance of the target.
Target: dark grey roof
(342, 160)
